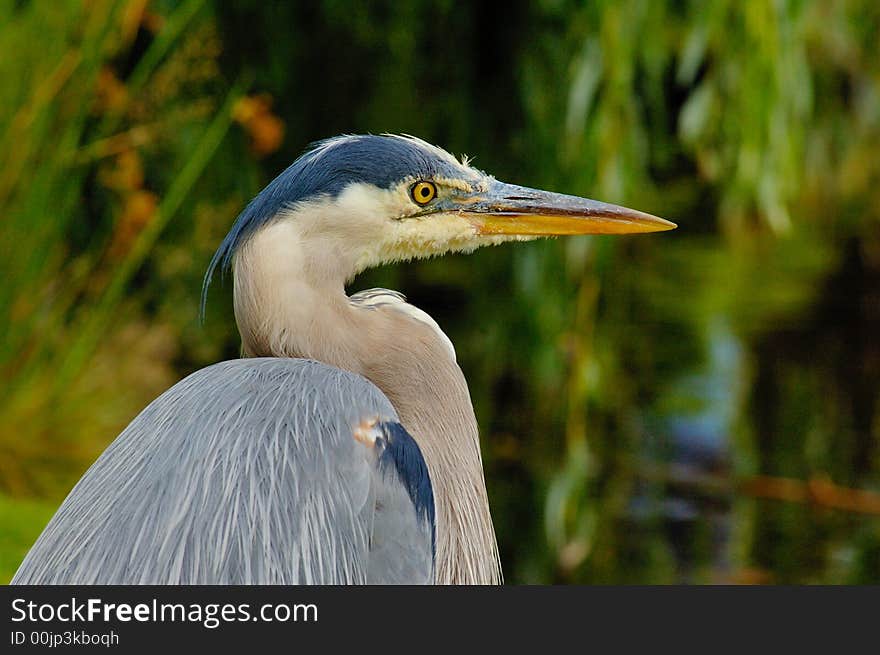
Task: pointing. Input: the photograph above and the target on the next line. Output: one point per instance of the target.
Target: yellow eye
(423, 192)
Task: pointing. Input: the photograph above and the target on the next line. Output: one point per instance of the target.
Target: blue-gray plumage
(345, 450)
(253, 461)
(400, 454)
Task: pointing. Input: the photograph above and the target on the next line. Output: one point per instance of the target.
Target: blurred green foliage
(693, 406)
(22, 520)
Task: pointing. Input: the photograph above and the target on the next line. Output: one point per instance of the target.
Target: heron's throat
(289, 297)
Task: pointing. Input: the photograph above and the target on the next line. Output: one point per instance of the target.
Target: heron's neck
(291, 303)
(288, 302)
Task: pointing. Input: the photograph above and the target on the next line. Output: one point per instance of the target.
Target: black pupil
(424, 192)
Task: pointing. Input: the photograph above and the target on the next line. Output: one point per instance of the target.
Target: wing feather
(245, 472)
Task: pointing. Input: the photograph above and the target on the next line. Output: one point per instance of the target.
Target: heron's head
(367, 200)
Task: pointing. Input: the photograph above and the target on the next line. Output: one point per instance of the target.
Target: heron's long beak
(517, 210)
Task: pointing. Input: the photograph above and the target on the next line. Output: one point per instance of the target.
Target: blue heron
(343, 447)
